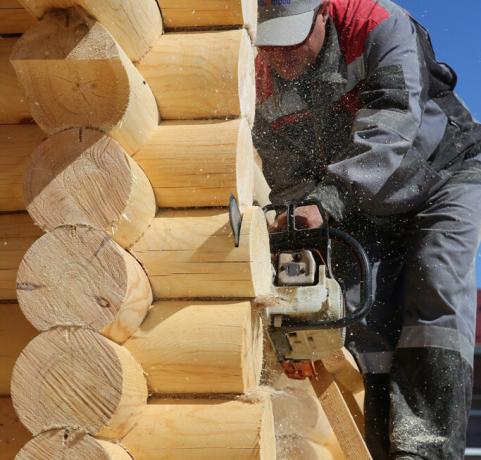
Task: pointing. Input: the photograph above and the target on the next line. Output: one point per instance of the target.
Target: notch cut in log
(13, 435)
(74, 74)
(202, 75)
(17, 233)
(15, 333)
(82, 176)
(17, 143)
(203, 430)
(81, 380)
(209, 13)
(63, 444)
(194, 164)
(13, 18)
(135, 25)
(78, 276)
(199, 347)
(13, 107)
(192, 254)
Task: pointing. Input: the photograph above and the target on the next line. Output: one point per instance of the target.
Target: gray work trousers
(416, 347)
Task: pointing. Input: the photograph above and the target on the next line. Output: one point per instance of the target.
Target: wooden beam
(75, 74)
(14, 107)
(199, 75)
(12, 433)
(135, 25)
(17, 143)
(17, 233)
(70, 377)
(192, 164)
(15, 333)
(13, 18)
(79, 276)
(82, 176)
(209, 13)
(192, 254)
(63, 444)
(203, 429)
(343, 367)
(201, 347)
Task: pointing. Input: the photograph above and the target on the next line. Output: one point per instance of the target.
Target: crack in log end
(29, 286)
(104, 303)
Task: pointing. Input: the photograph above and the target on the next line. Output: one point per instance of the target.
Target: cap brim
(285, 31)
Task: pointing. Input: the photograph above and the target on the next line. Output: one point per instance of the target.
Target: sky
(456, 37)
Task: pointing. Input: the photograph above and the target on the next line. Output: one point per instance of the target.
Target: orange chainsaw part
(299, 370)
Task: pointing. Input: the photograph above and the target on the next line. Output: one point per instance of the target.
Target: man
(353, 109)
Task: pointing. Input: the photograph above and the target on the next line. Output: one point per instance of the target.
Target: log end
(246, 78)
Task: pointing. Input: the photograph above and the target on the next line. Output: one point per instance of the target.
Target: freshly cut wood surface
(344, 369)
(209, 13)
(62, 445)
(202, 347)
(17, 233)
(192, 164)
(15, 333)
(13, 107)
(199, 75)
(13, 18)
(75, 74)
(78, 276)
(261, 187)
(295, 448)
(17, 143)
(192, 254)
(82, 176)
(13, 435)
(203, 430)
(69, 377)
(135, 25)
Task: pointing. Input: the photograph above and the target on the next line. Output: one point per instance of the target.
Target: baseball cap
(285, 22)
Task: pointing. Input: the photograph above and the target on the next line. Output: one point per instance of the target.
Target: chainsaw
(309, 318)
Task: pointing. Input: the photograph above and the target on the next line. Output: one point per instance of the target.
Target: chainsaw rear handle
(293, 239)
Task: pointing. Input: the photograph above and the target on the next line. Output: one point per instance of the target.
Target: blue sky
(456, 35)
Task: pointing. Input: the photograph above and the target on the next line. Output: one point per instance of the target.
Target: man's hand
(305, 217)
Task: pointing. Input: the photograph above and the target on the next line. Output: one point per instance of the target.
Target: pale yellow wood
(63, 444)
(82, 176)
(200, 75)
(17, 143)
(192, 254)
(209, 13)
(13, 104)
(78, 276)
(12, 433)
(344, 369)
(15, 333)
(13, 18)
(261, 187)
(136, 25)
(17, 233)
(203, 430)
(192, 164)
(75, 74)
(199, 347)
(71, 377)
(295, 448)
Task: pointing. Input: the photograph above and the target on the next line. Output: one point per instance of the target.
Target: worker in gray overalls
(354, 110)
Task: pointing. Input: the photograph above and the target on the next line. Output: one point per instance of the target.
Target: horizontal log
(63, 444)
(13, 18)
(17, 143)
(81, 176)
(203, 430)
(135, 25)
(15, 333)
(193, 164)
(17, 233)
(13, 435)
(69, 377)
(192, 254)
(78, 276)
(74, 74)
(14, 107)
(209, 13)
(199, 75)
(203, 347)
(296, 448)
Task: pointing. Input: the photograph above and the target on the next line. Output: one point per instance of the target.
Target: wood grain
(13, 435)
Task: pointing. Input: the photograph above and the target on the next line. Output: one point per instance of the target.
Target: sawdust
(411, 432)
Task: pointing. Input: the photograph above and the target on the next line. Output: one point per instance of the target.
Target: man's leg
(431, 376)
